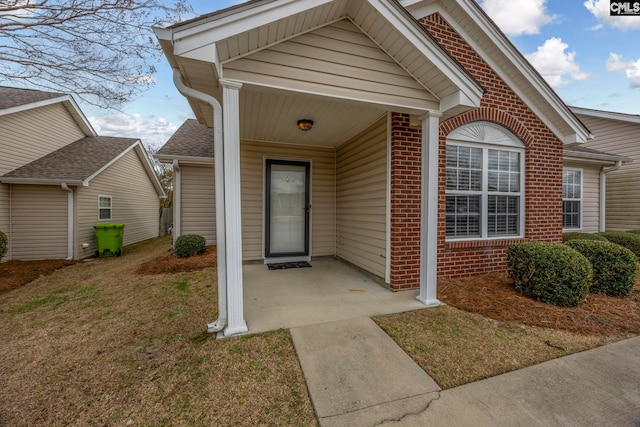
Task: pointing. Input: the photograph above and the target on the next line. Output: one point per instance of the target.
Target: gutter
(603, 192)
(70, 224)
(220, 323)
(177, 202)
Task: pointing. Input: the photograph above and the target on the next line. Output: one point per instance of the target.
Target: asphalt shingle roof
(578, 149)
(76, 161)
(14, 97)
(191, 140)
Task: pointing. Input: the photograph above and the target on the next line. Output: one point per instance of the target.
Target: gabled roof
(191, 142)
(79, 162)
(14, 100)
(469, 20)
(579, 152)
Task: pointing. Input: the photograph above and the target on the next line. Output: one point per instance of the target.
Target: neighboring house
(617, 133)
(408, 137)
(58, 179)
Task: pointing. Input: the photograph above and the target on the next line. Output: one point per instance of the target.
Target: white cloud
(153, 131)
(600, 9)
(556, 65)
(517, 17)
(616, 62)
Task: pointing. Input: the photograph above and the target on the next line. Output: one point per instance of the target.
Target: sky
(591, 60)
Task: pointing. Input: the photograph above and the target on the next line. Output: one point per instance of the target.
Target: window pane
(104, 213)
(570, 214)
(464, 168)
(571, 188)
(105, 202)
(503, 215)
(463, 216)
(504, 171)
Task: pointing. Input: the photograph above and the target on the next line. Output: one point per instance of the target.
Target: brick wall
(543, 175)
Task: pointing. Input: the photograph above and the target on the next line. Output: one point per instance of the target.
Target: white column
(429, 216)
(233, 226)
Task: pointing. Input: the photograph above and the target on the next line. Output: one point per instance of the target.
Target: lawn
(123, 341)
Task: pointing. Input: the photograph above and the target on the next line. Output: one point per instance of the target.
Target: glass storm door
(287, 209)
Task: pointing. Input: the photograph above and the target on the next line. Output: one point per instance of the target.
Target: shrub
(630, 241)
(578, 235)
(614, 267)
(4, 244)
(551, 272)
(189, 245)
(633, 231)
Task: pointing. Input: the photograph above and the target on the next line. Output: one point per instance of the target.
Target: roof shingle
(13, 97)
(190, 140)
(76, 161)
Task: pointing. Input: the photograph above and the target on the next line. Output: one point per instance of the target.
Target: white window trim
(102, 196)
(507, 142)
(581, 199)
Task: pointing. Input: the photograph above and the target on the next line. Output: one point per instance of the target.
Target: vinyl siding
(323, 205)
(590, 195)
(135, 204)
(39, 222)
(28, 135)
(198, 196)
(623, 197)
(4, 212)
(361, 187)
(339, 60)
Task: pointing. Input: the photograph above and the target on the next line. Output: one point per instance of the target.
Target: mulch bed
(495, 296)
(172, 264)
(14, 274)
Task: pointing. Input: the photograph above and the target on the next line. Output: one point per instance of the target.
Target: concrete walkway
(358, 376)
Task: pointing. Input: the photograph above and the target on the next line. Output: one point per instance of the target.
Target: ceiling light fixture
(305, 124)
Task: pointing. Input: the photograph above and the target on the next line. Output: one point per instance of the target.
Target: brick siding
(543, 175)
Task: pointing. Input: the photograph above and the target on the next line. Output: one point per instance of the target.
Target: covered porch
(352, 68)
(329, 291)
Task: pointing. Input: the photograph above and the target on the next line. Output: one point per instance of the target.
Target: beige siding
(198, 198)
(135, 204)
(590, 195)
(39, 222)
(323, 225)
(4, 208)
(338, 60)
(623, 197)
(361, 189)
(28, 135)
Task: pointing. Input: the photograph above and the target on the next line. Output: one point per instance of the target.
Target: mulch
(14, 274)
(495, 296)
(169, 264)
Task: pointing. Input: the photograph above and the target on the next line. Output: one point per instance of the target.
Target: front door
(287, 209)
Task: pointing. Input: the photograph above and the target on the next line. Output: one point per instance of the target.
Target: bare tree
(100, 50)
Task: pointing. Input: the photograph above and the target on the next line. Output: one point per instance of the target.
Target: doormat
(285, 265)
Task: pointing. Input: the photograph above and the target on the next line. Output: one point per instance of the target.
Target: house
(58, 179)
(617, 133)
(409, 138)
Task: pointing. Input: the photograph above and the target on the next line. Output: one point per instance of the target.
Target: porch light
(305, 124)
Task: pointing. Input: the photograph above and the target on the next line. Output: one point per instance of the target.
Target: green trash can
(109, 239)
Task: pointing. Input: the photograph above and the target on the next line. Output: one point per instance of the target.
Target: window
(571, 198)
(104, 207)
(484, 184)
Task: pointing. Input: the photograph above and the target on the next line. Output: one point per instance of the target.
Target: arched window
(485, 183)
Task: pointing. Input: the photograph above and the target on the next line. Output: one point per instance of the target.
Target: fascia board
(168, 158)
(612, 115)
(40, 181)
(440, 59)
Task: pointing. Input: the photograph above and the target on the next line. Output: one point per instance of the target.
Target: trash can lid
(97, 226)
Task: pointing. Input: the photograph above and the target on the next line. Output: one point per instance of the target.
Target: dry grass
(95, 344)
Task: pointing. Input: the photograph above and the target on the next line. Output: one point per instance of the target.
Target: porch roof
(204, 48)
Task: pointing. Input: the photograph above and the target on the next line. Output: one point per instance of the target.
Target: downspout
(69, 191)
(177, 202)
(218, 154)
(603, 192)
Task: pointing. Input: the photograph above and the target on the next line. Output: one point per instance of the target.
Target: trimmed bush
(630, 241)
(614, 267)
(4, 244)
(551, 272)
(633, 231)
(578, 235)
(189, 245)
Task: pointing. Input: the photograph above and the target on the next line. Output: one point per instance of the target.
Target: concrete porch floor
(329, 291)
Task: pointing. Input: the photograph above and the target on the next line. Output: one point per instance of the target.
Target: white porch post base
(429, 217)
(233, 226)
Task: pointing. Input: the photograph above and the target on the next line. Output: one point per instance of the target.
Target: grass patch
(96, 344)
(456, 347)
